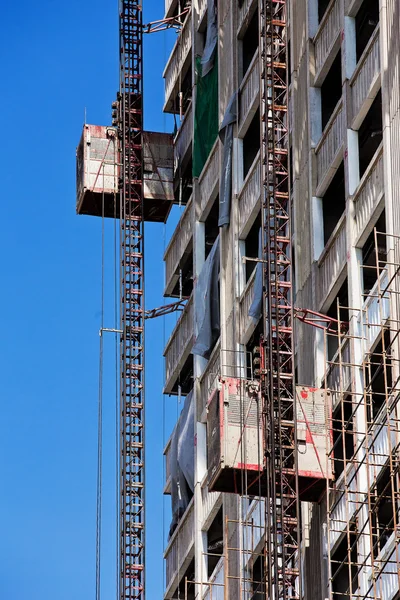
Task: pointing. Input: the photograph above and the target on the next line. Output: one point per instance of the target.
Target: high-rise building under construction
(283, 468)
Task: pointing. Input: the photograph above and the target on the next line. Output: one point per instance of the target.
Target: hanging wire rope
(100, 420)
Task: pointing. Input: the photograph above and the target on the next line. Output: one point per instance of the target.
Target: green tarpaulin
(205, 117)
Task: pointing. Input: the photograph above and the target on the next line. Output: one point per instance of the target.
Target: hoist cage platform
(236, 441)
(98, 174)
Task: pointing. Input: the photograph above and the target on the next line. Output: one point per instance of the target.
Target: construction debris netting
(182, 462)
(207, 304)
(226, 136)
(205, 116)
(210, 48)
(255, 309)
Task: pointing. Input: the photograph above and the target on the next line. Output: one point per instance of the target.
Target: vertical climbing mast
(282, 517)
(132, 304)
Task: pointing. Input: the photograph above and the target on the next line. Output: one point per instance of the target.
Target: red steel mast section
(130, 124)
(282, 513)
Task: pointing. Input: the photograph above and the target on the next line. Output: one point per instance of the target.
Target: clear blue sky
(57, 59)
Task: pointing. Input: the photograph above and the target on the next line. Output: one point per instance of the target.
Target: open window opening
(253, 357)
(369, 271)
(334, 203)
(183, 182)
(252, 246)
(331, 89)
(322, 7)
(258, 588)
(185, 380)
(370, 134)
(186, 587)
(211, 227)
(343, 299)
(182, 103)
(344, 567)
(367, 19)
(343, 434)
(250, 42)
(251, 143)
(378, 377)
(383, 510)
(215, 542)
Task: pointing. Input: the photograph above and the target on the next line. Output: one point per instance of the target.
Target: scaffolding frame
(363, 502)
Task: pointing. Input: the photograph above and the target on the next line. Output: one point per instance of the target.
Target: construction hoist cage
(283, 504)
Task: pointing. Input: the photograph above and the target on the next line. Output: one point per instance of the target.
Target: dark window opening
(343, 299)
(252, 246)
(250, 42)
(211, 229)
(258, 579)
(370, 272)
(331, 89)
(215, 542)
(366, 21)
(251, 143)
(383, 510)
(253, 357)
(183, 182)
(181, 105)
(184, 383)
(322, 6)
(370, 134)
(334, 203)
(378, 377)
(344, 573)
(343, 434)
(187, 584)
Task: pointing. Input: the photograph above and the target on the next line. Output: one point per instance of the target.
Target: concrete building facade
(344, 125)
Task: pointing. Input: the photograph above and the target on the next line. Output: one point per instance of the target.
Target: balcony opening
(184, 382)
(252, 351)
(183, 182)
(250, 42)
(343, 434)
(211, 228)
(379, 378)
(343, 299)
(252, 246)
(322, 7)
(182, 104)
(344, 573)
(215, 542)
(331, 89)
(258, 579)
(187, 590)
(383, 510)
(370, 134)
(334, 203)
(369, 271)
(367, 19)
(251, 143)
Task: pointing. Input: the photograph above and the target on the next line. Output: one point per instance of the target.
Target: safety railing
(249, 93)
(364, 80)
(209, 177)
(375, 311)
(327, 36)
(184, 137)
(179, 345)
(209, 379)
(333, 259)
(247, 324)
(369, 192)
(331, 142)
(178, 246)
(211, 502)
(167, 459)
(178, 57)
(179, 550)
(249, 197)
